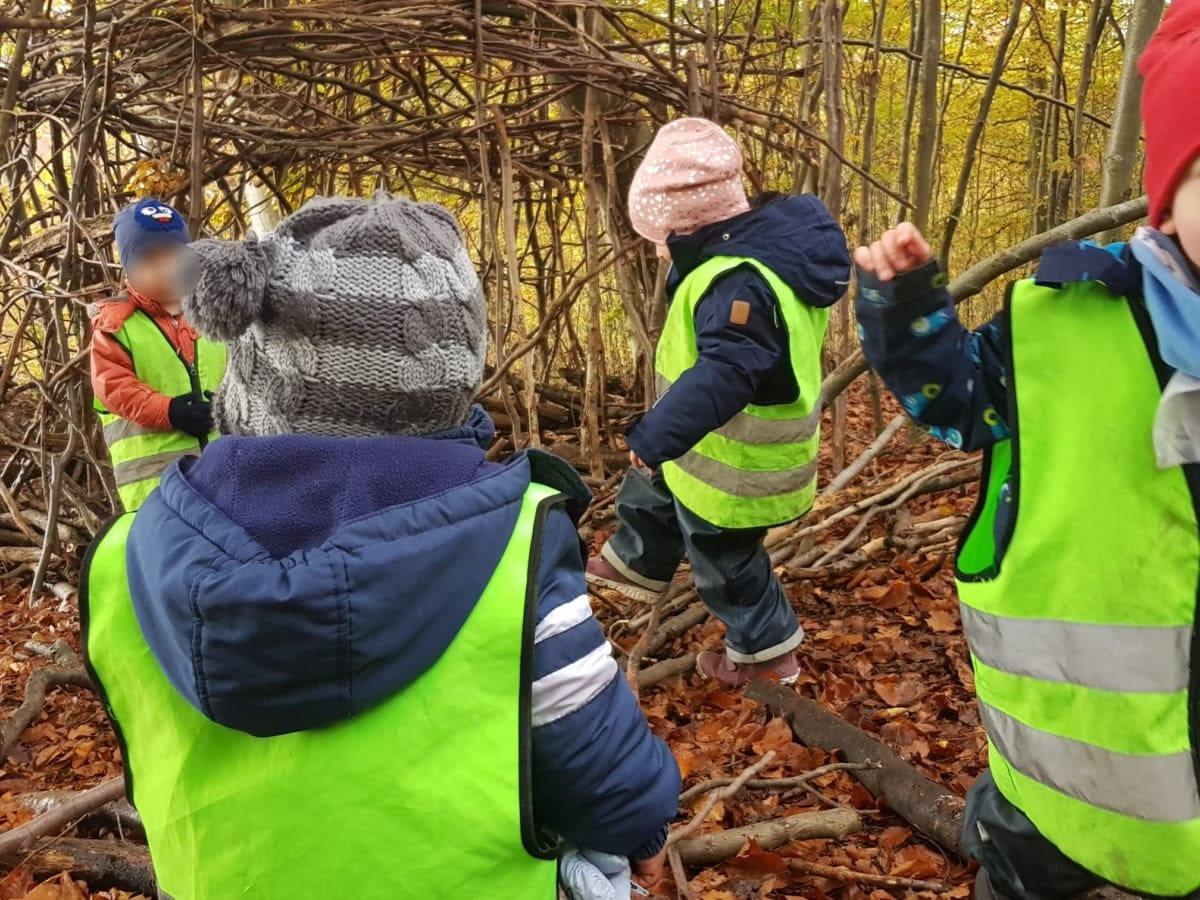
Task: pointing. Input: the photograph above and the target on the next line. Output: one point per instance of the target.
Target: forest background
(997, 126)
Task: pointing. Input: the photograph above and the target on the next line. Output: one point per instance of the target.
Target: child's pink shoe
(602, 573)
(719, 667)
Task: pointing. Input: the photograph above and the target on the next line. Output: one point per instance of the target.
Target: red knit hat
(1171, 69)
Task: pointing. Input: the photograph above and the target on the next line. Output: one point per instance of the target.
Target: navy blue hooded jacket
(244, 541)
(797, 239)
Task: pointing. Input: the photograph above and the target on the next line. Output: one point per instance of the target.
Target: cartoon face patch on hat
(157, 212)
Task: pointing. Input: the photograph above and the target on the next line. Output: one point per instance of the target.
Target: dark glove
(191, 416)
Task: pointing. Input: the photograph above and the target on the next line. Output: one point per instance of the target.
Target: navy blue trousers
(731, 568)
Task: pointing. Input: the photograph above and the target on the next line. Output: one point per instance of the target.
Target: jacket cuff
(643, 447)
(159, 411)
(914, 293)
(650, 849)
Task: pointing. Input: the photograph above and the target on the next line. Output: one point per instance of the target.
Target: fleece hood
(794, 236)
(287, 583)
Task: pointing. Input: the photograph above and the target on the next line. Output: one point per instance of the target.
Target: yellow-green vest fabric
(760, 468)
(140, 455)
(425, 795)
(1083, 632)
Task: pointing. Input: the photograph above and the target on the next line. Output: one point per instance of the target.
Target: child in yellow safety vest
(730, 448)
(152, 375)
(1078, 572)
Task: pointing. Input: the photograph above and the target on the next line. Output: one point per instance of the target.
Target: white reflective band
(121, 429)
(743, 482)
(563, 618)
(148, 466)
(573, 686)
(1105, 657)
(751, 429)
(1151, 788)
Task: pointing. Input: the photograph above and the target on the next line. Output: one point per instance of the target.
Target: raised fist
(900, 250)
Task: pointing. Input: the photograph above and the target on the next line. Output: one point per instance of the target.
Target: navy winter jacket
(796, 238)
(951, 379)
(248, 526)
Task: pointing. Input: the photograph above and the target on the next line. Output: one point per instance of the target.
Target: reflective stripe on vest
(140, 455)
(1083, 632)
(424, 795)
(760, 468)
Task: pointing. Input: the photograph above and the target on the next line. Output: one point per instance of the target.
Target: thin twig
(687, 830)
(774, 784)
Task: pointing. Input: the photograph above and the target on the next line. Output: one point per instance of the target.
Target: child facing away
(342, 612)
(1078, 572)
(730, 448)
(152, 375)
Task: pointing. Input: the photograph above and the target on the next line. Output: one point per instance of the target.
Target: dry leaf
(942, 622)
(900, 690)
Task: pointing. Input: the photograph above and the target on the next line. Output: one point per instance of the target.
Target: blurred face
(1183, 221)
(156, 272)
(663, 252)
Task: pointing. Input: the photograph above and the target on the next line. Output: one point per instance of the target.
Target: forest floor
(884, 650)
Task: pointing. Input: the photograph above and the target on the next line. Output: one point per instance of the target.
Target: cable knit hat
(691, 177)
(354, 317)
(1171, 69)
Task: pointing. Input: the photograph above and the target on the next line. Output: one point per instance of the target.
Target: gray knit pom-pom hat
(354, 317)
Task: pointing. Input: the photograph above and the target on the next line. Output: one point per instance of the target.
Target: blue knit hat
(146, 224)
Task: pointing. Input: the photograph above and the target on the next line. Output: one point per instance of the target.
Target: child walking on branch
(730, 449)
(1078, 573)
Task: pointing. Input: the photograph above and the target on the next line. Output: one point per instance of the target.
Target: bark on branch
(710, 849)
(65, 670)
(934, 810)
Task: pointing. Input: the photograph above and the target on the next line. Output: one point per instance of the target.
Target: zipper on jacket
(193, 371)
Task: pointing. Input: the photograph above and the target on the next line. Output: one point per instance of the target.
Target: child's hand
(651, 870)
(899, 251)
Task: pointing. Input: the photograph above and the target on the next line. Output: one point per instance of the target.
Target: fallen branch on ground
(710, 849)
(734, 786)
(682, 888)
(65, 670)
(102, 864)
(668, 668)
(117, 814)
(933, 809)
(838, 873)
(775, 784)
(20, 840)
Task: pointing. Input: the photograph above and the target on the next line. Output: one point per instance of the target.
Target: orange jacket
(113, 380)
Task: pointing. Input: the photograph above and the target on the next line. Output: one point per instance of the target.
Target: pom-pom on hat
(1171, 69)
(353, 318)
(691, 177)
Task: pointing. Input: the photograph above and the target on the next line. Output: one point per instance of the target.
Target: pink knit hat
(691, 177)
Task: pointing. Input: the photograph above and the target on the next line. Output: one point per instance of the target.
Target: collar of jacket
(691, 250)
(1114, 266)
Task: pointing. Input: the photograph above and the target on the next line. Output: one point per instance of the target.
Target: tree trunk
(931, 54)
(1120, 159)
(973, 139)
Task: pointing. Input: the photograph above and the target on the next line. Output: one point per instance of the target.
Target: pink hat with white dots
(691, 177)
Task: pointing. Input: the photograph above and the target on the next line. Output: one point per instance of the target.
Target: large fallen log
(933, 809)
(710, 849)
(102, 864)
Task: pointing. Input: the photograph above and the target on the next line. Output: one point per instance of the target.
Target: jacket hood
(287, 583)
(794, 236)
